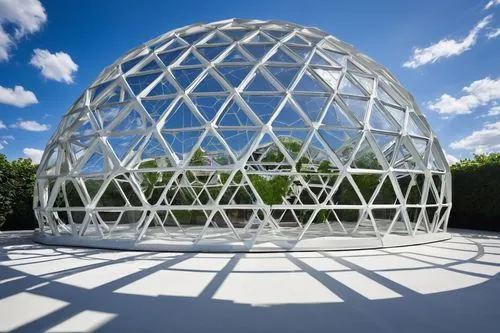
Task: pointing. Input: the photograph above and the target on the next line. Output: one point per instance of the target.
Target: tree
(6, 189)
(16, 193)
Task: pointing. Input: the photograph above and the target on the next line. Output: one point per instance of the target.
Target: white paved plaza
(450, 286)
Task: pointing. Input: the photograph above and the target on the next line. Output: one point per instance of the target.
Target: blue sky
(444, 52)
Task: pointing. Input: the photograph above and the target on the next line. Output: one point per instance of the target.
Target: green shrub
(476, 193)
(17, 179)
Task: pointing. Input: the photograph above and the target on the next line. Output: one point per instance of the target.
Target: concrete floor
(451, 286)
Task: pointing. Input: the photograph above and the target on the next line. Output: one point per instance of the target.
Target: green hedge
(17, 179)
(476, 193)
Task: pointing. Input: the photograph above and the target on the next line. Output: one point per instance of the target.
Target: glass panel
(190, 59)
(341, 141)
(397, 114)
(140, 82)
(405, 159)
(285, 75)
(357, 107)
(238, 141)
(97, 90)
(94, 164)
(169, 57)
(156, 107)
(82, 126)
(384, 96)
(159, 43)
(186, 76)
(235, 56)
(260, 38)
(234, 115)
(152, 65)
(258, 51)
(337, 57)
(365, 157)
(260, 83)
(318, 60)
(308, 83)
(153, 149)
(234, 74)
(281, 56)
(288, 117)
(380, 120)
(210, 53)
(303, 52)
(209, 84)
(366, 82)
(164, 87)
(263, 106)
(209, 105)
(420, 146)
(352, 67)
(133, 121)
(127, 65)
(297, 40)
(106, 115)
(116, 95)
(435, 160)
(311, 105)
(218, 38)
(348, 87)
(122, 144)
(277, 33)
(181, 117)
(292, 140)
(236, 34)
(211, 152)
(335, 116)
(181, 142)
(386, 144)
(192, 38)
(415, 127)
(175, 44)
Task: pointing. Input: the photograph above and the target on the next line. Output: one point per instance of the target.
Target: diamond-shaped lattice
(243, 132)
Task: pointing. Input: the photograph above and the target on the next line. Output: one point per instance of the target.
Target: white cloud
(494, 33)
(491, 3)
(2, 125)
(23, 17)
(447, 104)
(451, 159)
(480, 92)
(30, 125)
(54, 66)
(17, 97)
(494, 111)
(5, 44)
(446, 48)
(482, 141)
(34, 154)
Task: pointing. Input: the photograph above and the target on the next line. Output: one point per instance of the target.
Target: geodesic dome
(243, 135)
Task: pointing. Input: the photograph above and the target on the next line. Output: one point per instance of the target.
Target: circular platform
(225, 240)
(447, 286)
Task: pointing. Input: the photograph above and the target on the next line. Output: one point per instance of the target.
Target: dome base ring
(216, 245)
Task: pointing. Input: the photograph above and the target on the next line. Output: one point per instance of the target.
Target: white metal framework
(243, 135)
